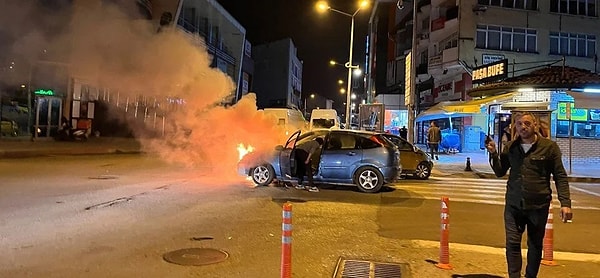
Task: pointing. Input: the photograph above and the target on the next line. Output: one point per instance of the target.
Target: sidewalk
(447, 165)
(24, 147)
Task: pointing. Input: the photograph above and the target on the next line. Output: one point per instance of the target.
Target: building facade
(278, 75)
(454, 37)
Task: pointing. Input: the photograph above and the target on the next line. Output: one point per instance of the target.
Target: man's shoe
(313, 189)
(437, 157)
(300, 187)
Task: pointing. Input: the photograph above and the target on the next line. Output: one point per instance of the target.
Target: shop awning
(586, 100)
(447, 109)
(439, 111)
(474, 106)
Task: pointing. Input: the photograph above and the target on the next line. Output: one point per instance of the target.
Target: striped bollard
(286, 241)
(548, 258)
(444, 262)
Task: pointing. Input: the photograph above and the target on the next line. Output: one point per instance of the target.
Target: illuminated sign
(43, 92)
(577, 114)
(407, 80)
(490, 72)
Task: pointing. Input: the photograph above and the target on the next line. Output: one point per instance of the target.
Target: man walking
(531, 159)
(434, 137)
(303, 155)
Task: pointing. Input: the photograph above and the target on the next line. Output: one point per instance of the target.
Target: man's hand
(307, 161)
(566, 214)
(491, 146)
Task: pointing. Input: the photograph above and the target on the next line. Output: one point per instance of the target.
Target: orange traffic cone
(548, 257)
(444, 262)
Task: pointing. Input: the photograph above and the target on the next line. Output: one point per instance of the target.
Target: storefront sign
(43, 92)
(407, 80)
(490, 72)
(577, 114)
(533, 96)
(491, 58)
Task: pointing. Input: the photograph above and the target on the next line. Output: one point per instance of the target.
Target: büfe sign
(490, 72)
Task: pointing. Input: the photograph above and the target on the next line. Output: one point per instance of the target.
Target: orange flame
(242, 151)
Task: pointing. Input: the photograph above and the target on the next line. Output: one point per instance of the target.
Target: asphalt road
(117, 215)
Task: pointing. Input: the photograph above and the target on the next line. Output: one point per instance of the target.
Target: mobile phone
(567, 217)
(488, 139)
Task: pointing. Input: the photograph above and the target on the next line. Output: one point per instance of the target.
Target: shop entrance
(47, 116)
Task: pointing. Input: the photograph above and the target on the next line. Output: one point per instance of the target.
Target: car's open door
(286, 156)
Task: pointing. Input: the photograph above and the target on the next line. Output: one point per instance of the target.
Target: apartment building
(454, 37)
(278, 75)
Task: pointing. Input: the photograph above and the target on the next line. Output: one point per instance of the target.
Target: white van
(290, 119)
(324, 118)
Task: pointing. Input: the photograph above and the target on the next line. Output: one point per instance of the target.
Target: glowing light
(242, 151)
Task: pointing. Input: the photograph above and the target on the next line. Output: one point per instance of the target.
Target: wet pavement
(468, 260)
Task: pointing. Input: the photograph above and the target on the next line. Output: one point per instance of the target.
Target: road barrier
(468, 166)
(444, 262)
(286, 241)
(548, 257)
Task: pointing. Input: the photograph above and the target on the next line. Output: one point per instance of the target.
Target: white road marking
(562, 256)
(482, 191)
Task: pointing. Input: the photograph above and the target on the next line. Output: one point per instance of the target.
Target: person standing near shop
(531, 159)
(434, 138)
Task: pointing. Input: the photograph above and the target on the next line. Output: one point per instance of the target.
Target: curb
(32, 154)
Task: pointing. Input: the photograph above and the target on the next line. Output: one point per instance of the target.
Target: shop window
(579, 129)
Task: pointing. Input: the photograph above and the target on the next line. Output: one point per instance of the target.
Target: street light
(312, 96)
(322, 6)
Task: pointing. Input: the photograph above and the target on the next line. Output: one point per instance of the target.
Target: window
(511, 4)
(506, 38)
(574, 7)
(572, 44)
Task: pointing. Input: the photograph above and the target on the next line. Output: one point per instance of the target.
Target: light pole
(323, 6)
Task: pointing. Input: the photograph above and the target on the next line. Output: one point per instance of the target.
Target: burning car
(365, 159)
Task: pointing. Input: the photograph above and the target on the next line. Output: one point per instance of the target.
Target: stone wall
(582, 150)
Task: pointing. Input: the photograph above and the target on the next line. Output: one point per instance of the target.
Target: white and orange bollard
(444, 262)
(286, 241)
(548, 256)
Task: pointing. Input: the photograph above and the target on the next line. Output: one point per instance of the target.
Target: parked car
(365, 159)
(414, 161)
(9, 127)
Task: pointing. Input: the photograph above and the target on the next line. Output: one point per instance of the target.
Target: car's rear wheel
(423, 171)
(368, 179)
(262, 175)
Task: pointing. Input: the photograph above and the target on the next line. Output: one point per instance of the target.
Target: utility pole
(410, 98)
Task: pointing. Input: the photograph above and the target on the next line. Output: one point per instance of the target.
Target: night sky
(318, 37)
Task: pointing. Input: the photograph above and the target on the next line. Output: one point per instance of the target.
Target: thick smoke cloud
(103, 46)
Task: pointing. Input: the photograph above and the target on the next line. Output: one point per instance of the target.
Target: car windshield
(323, 123)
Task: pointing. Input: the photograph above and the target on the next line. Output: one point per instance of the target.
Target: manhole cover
(367, 269)
(196, 256)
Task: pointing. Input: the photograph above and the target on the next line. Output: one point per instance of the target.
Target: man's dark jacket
(528, 185)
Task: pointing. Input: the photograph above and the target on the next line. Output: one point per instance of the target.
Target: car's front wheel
(423, 171)
(262, 175)
(368, 179)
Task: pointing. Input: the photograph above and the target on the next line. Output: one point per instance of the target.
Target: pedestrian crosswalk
(484, 191)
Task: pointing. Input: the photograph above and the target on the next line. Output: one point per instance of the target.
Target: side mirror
(415, 149)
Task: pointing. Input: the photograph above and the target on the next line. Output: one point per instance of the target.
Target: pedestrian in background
(434, 137)
(303, 155)
(531, 159)
(403, 132)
